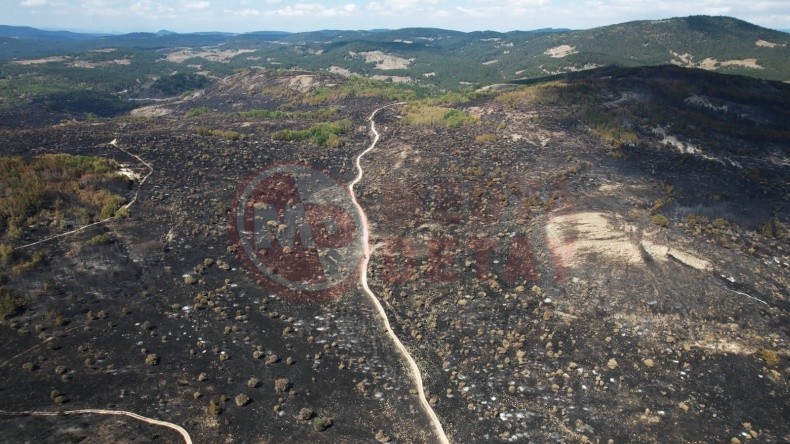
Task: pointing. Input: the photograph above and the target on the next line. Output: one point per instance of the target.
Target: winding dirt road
(184, 434)
(414, 369)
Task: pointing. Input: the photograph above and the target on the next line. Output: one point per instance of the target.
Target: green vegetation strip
(321, 134)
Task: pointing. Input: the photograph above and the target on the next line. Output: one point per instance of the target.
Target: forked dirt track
(84, 227)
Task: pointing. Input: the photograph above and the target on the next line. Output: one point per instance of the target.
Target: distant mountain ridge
(441, 58)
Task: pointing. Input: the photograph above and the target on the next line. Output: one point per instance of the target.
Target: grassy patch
(321, 134)
(485, 138)
(428, 115)
(222, 134)
(541, 94)
(324, 113)
(194, 112)
(356, 86)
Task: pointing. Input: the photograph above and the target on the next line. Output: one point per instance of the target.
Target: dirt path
(184, 434)
(414, 370)
(84, 227)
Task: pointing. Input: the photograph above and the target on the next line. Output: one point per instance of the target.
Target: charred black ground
(601, 258)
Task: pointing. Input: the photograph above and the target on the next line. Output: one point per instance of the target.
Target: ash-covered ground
(527, 273)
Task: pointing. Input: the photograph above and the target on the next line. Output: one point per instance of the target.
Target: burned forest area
(600, 257)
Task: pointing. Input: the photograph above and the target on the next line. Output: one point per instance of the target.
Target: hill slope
(433, 57)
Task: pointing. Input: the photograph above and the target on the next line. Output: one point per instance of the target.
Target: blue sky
(465, 15)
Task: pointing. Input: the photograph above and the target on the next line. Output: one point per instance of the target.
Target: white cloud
(405, 8)
(248, 12)
(187, 5)
(313, 10)
(301, 15)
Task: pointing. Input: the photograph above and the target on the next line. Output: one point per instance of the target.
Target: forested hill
(430, 57)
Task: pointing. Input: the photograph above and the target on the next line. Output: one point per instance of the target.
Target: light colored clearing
(53, 59)
(89, 64)
(495, 87)
(663, 252)
(383, 61)
(710, 64)
(103, 50)
(394, 79)
(573, 68)
(578, 238)
(429, 74)
(728, 338)
(685, 59)
(150, 111)
(303, 83)
(767, 44)
(518, 73)
(628, 96)
(408, 42)
(609, 187)
(128, 173)
(479, 111)
(490, 62)
(704, 102)
(746, 63)
(214, 55)
(560, 51)
(338, 70)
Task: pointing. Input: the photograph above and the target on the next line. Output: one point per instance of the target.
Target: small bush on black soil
(773, 229)
(305, 414)
(28, 265)
(281, 385)
(320, 423)
(10, 305)
(241, 400)
(660, 220)
(6, 254)
(99, 239)
(213, 408)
